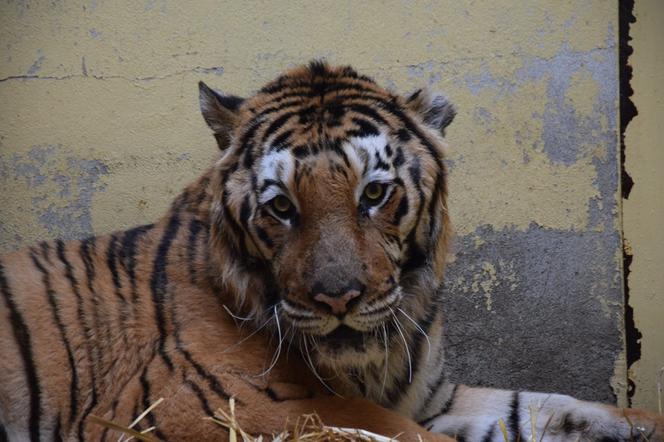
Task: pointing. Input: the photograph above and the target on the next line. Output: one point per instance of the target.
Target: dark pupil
(373, 191)
(281, 204)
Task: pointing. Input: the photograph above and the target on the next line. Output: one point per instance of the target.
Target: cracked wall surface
(99, 129)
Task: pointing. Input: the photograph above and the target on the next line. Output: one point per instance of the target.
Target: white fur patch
(276, 166)
(363, 153)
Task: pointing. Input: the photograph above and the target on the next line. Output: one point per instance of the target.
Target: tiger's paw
(644, 425)
(609, 423)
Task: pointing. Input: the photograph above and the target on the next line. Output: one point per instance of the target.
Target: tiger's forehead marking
(368, 157)
(276, 170)
(374, 153)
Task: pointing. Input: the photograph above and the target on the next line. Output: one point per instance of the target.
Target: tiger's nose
(338, 304)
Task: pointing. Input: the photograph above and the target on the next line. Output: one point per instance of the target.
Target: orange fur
(107, 325)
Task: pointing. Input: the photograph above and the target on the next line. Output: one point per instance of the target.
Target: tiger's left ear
(220, 113)
(436, 110)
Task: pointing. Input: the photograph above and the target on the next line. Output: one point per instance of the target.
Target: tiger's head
(329, 206)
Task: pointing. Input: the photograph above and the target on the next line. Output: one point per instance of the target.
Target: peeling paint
(61, 187)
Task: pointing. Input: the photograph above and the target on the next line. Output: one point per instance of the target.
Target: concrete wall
(644, 209)
(99, 128)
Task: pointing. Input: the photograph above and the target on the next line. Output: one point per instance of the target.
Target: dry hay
(307, 428)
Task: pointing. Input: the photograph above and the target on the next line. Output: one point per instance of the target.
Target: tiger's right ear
(219, 112)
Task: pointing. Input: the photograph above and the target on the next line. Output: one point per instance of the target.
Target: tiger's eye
(281, 204)
(373, 191)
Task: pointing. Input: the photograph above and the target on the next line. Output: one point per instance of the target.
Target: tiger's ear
(219, 112)
(436, 110)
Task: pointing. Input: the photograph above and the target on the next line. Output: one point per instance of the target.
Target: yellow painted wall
(100, 128)
(117, 83)
(644, 210)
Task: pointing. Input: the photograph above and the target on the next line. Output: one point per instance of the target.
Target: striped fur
(235, 291)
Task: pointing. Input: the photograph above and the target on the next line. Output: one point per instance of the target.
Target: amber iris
(374, 191)
(281, 204)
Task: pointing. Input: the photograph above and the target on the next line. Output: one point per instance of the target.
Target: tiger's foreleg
(474, 414)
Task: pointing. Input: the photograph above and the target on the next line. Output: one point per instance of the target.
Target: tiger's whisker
(277, 353)
(382, 388)
(234, 316)
(247, 337)
(410, 364)
(313, 369)
(420, 329)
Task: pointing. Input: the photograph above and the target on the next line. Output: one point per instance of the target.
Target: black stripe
(301, 151)
(57, 429)
(55, 310)
(416, 344)
(488, 437)
(280, 104)
(277, 124)
(3, 434)
(114, 408)
(145, 385)
(369, 112)
(159, 283)
(415, 173)
(128, 250)
(414, 129)
(416, 258)
(22, 336)
(195, 226)
(399, 158)
(134, 414)
(265, 238)
(435, 198)
(358, 380)
(280, 141)
(403, 135)
(513, 420)
(45, 249)
(88, 245)
(248, 159)
(212, 381)
(442, 379)
(366, 129)
(292, 100)
(447, 406)
(112, 263)
(308, 90)
(419, 342)
(245, 212)
(402, 210)
(199, 394)
(69, 274)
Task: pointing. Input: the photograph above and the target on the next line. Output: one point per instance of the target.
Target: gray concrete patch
(536, 310)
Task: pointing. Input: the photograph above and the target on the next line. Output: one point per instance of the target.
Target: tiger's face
(330, 205)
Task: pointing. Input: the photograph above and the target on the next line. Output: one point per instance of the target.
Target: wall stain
(61, 185)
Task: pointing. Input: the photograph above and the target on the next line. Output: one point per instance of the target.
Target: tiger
(298, 274)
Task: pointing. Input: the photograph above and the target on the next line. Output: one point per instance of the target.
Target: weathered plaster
(533, 153)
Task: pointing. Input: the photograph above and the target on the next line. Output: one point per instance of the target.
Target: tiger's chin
(346, 347)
